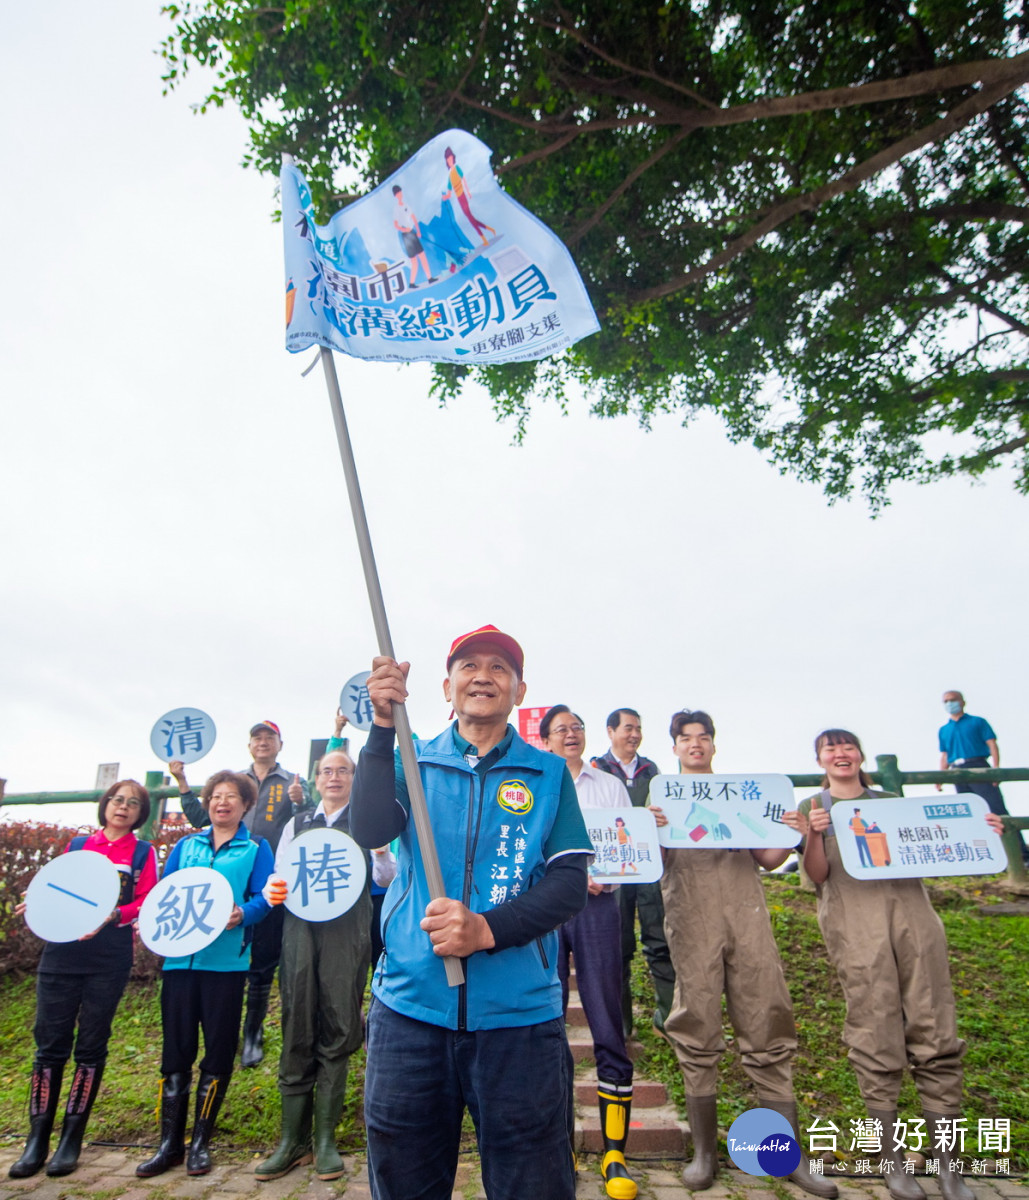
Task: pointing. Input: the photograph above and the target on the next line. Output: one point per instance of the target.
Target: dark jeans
(515, 1082)
(593, 940)
(64, 999)
(195, 1000)
(266, 948)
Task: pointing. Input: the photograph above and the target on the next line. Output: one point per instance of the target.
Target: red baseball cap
(267, 725)
(488, 633)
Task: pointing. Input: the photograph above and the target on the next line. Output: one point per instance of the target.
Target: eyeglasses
(122, 802)
(561, 730)
(330, 771)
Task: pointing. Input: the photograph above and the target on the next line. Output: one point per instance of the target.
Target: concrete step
(581, 1045)
(653, 1133)
(646, 1093)
(581, 1042)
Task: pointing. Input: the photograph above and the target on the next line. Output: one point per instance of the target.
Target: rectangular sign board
(729, 812)
(916, 836)
(625, 845)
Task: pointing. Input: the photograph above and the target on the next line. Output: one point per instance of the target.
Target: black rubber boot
(44, 1093)
(664, 993)
(84, 1087)
(253, 1024)
(615, 1104)
(174, 1108)
(816, 1185)
(702, 1114)
(952, 1186)
(901, 1185)
(294, 1148)
(210, 1093)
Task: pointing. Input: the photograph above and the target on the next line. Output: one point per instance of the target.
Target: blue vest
(230, 951)
(490, 837)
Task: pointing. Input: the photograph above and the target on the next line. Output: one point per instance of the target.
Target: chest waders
(721, 940)
(890, 951)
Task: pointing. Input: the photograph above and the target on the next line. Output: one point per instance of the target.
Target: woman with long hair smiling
(890, 951)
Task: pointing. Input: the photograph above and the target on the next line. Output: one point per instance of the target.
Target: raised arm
(378, 799)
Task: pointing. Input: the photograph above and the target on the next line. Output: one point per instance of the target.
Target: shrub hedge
(25, 846)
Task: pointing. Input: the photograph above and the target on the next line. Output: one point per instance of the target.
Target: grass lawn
(126, 1111)
(989, 963)
(990, 973)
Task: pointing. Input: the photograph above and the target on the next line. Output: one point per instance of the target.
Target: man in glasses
(321, 978)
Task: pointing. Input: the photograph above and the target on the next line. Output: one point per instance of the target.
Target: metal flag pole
(405, 739)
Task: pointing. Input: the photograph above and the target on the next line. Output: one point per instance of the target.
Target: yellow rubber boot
(615, 1104)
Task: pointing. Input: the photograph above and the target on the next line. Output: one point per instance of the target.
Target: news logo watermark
(863, 1146)
(762, 1142)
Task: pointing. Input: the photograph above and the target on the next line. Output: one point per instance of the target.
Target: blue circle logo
(762, 1142)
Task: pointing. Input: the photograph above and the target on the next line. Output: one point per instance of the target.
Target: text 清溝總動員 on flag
(436, 264)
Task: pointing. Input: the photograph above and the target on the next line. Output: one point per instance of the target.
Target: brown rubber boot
(702, 1114)
(902, 1185)
(816, 1185)
(952, 1186)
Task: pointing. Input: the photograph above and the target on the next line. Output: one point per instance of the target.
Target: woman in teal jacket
(205, 990)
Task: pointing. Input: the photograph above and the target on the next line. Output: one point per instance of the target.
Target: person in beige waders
(890, 952)
(720, 937)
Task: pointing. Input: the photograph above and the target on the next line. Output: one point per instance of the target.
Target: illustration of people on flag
(395, 276)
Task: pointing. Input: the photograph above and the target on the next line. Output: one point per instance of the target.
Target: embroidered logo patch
(514, 796)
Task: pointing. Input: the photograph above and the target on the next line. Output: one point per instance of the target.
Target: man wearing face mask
(969, 741)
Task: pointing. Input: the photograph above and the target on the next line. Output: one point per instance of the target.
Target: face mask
(952, 706)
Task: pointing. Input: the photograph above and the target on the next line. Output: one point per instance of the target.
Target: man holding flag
(514, 853)
(467, 1004)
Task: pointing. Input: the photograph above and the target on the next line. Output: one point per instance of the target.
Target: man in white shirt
(593, 939)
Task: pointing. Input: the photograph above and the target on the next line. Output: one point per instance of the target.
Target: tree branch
(924, 394)
(553, 147)
(965, 112)
(971, 461)
(473, 58)
(967, 290)
(1005, 150)
(1007, 71)
(570, 31)
(978, 210)
(983, 71)
(600, 212)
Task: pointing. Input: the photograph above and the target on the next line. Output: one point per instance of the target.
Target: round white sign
(72, 895)
(325, 871)
(186, 734)
(185, 912)
(355, 703)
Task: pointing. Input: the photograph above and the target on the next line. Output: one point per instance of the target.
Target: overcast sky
(174, 528)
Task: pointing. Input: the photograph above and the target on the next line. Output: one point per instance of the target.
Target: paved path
(106, 1174)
